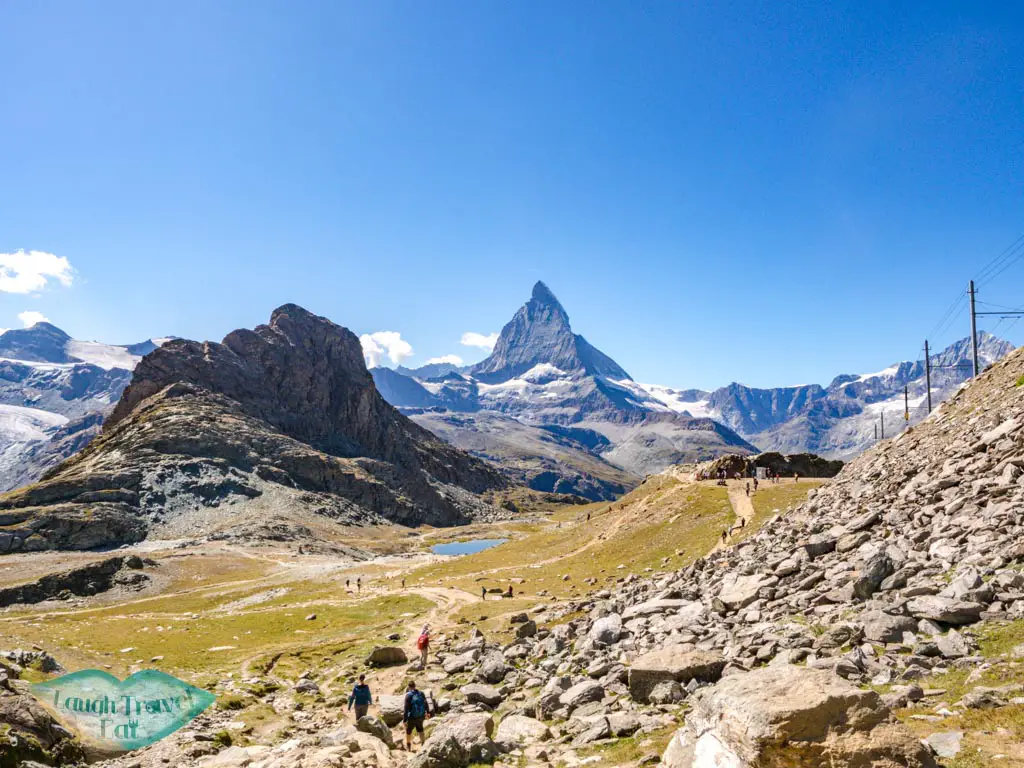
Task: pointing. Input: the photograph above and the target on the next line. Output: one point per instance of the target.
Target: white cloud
(471, 339)
(30, 271)
(452, 359)
(30, 317)
(381, 344)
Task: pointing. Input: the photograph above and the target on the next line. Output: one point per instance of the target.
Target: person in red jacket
(423, 645)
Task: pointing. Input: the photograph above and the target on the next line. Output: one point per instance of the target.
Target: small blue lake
(466, 547)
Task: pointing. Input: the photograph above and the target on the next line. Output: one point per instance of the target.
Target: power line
(1012, 252)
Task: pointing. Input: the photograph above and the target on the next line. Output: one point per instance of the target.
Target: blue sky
(766, 192)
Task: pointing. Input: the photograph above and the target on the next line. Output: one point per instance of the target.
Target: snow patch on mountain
(105, 356)
(18, 423)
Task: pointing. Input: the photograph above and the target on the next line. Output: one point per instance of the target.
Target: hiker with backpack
(423, 645)
(361, 697)
(413, 713)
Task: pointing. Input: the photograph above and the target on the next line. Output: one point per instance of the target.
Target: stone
(793, 716)
(946, 743)
(477, 693)
(471, 733)
(740, 591)
(526, 629)
(387, 655)
(678, 663)
(492, 667)
(392, 709)
(944, 610)
(872, 574)
(581, 693)
(376, 727)
(952, 645)
(461, 662)
(607, 630)
(688, 610)
(520, 731)
(666, 692)
(883, 627)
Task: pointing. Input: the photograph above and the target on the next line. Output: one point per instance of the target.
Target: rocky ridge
(279, 423)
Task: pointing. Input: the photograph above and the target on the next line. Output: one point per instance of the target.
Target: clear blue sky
(686, 177)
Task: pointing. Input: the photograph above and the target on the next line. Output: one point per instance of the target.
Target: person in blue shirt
(361, 697)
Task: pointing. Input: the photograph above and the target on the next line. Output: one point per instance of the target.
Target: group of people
(415, 709)
(416, 706)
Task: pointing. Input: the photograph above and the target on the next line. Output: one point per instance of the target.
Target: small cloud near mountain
(445, 359)
(471, 339)
(31, 271)
(30, 317)
(381, 344)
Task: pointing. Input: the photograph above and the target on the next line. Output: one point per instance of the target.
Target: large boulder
(677, 663)
(392, 709)
(32, 734)
(492, 667)
(461, 662)
(478, 693)
(885, 628)
(791, 717)
(740, 591)
(386, 655)
(945, 610)
(607, 630)
(581, 693)
(376, 727)
(458, 741)
(519, 731)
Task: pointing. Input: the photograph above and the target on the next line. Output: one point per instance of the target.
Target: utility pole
(881, 416)
(906, 402)
(928, 374)
(974, 332)
(876, 431)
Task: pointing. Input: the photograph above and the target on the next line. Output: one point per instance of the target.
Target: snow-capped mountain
(543, 376)
(54, 391)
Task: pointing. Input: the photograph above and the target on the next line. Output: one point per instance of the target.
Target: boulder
(392, 708)
(945, 610)
(520, 731)
(461, 662)
(791, 716)
(882, 627)
(946, 743)
(675, 662)
(872, 574)
(526, 629)
(580, 694)
(386, 655)
(740, 591)
(689, 610)
(607, 630)
(477, 693)
(457, 741)
(492, 667)
(376, 727)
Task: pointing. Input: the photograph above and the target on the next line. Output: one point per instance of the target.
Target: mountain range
(274, 432)
(565, 404)
(54, 393)
(546, 407)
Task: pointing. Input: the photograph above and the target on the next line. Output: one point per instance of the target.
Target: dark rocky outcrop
(85, 581)
(802, 464)
(287, 411)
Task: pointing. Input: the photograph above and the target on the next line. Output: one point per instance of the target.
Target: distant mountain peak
(540, 332)
(543, 295)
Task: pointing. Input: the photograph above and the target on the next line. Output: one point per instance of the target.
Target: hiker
(403, 583)
(509, 590)
(748, 489)
(796, 477)
(359, 584)
(346, 584)
(423, 645)
(413, 713)
(724, 534)
(483, 593)
(743, 522)
(361, 697)
(755, 485)
(588, 517)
